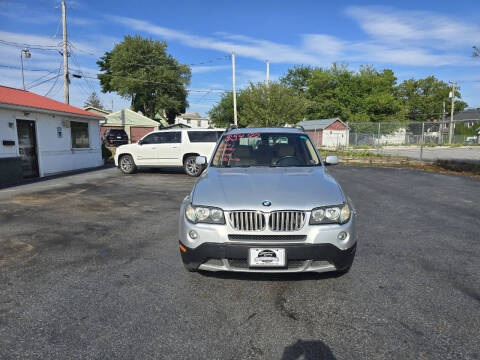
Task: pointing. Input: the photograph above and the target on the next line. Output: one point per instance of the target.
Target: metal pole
(423, 140)
(378, 139)
(21, 62)
(65, 54)
(450, 130)
(268, 72)
(234, 91)
(442, 124)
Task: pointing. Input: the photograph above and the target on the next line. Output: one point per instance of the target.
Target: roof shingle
(318, 124)
(19, 97)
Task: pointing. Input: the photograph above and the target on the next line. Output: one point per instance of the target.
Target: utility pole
(234, 91)
(65, 53)
(268, 73)
(442, 125)
(450, 130)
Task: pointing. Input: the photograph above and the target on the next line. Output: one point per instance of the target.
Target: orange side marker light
(183, 248)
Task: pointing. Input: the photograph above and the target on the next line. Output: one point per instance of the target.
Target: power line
(56, 80)
(125, 77)
(30, 46)
(43, 76)
(18, 68)
(43, 82)
(203, 62)
(74, 59)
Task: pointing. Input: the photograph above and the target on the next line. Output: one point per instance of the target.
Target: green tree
(366, 95)
(272, 105)
(261, 105)
(93, 100)
(476, 51)
(222, 113)
(423, 98)
(297, 78)
(141, 70)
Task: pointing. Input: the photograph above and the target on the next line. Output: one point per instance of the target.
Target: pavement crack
(280, 303)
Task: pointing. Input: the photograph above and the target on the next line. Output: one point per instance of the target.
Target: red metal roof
(19, 97)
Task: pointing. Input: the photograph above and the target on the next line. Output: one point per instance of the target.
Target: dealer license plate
(266, 257)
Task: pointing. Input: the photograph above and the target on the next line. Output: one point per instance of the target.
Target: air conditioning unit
(66, 123)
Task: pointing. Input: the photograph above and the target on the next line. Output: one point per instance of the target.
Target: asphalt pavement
(90, 269)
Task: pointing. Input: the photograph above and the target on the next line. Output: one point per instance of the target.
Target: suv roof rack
(299, 127)
(231, 127)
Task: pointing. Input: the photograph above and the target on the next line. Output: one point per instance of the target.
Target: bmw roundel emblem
(266, 203)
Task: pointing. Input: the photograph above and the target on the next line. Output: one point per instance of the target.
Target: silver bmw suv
(266, 203)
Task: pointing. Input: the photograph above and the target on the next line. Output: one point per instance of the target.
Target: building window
(199, 123)
(79, 134)
(189, 121)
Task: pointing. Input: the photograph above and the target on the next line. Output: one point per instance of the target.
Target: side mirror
(331, 160)
(140, 142)
(200, 160)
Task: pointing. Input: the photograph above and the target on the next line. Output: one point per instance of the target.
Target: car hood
(293, 188)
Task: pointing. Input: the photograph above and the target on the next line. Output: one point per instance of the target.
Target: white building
(193, 120)
(330, 133)
(40, 136)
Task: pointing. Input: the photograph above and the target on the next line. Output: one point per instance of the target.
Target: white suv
(168, 148)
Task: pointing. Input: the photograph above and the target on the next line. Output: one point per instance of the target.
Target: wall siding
(55, 154)
(316, 136)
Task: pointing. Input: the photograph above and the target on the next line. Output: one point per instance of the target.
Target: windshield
(116, 132)
(265, 149)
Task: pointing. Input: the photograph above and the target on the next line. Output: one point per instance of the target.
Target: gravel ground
(89, 269)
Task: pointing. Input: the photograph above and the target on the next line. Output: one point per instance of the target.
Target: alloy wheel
(192, 167)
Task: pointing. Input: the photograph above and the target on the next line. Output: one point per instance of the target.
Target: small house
(327, 132)
(193, 120)
(40, 136)
(135, 124)
(96, 110)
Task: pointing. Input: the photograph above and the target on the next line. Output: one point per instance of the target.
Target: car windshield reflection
(265, 150)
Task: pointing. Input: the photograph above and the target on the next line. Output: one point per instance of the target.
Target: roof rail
(231, 127)
(299, 127)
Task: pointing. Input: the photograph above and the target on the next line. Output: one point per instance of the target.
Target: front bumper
(222, 248)
(300, 258)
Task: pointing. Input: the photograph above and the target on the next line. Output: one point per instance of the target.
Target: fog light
(342, 235)
(193, 234)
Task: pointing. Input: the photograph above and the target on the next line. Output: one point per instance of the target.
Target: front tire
(127, 165)
(191, 167)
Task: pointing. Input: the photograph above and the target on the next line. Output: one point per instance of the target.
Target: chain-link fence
(428, 141)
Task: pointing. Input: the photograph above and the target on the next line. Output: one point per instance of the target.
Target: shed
(193, 119)
(327, 132)
(135, 125)
(97, 111)
(40, 136)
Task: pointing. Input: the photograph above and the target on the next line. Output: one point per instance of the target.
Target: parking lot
(89, 268)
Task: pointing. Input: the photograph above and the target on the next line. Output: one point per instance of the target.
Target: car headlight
(330, 215)
(204, 214)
